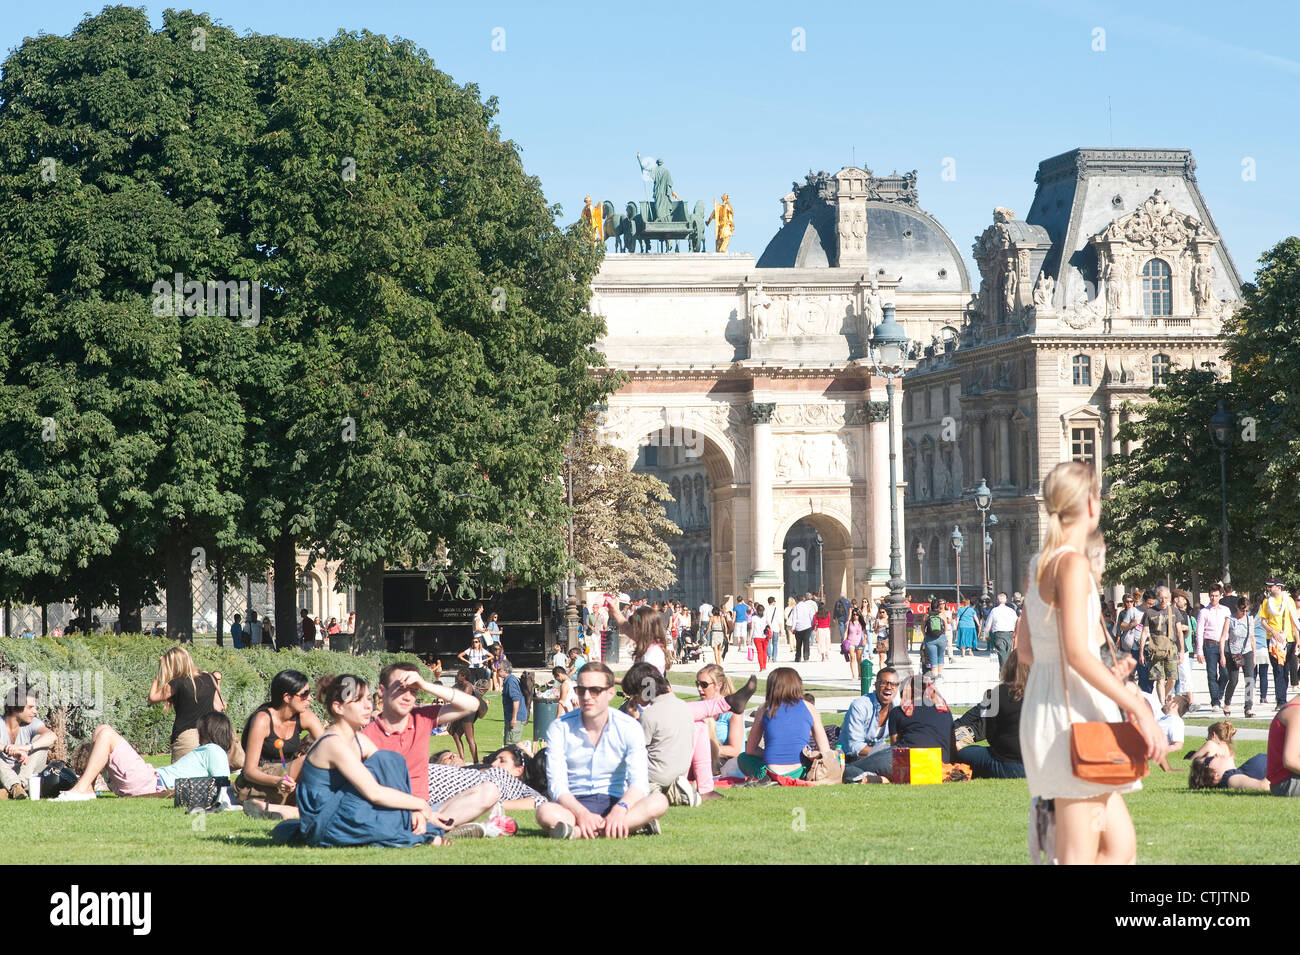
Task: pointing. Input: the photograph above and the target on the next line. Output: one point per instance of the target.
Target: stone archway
(686, 448)
(801, 557)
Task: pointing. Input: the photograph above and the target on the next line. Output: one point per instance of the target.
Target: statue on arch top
(663, 190)
(726, 223)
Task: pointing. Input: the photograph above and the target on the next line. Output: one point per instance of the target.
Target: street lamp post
(888, 350)
(920, 565)
(1221, 427)
(983, 499)
(957, 543)
(821, 583)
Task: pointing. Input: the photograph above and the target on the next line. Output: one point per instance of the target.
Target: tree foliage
(422, 351)
(1164, 512)
(621, 529)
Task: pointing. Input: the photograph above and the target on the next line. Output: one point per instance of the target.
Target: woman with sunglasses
(273, 741)
(726, 731)
(351, 793)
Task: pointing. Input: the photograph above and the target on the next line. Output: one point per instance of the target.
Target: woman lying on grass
(126, 772)
(350, 794)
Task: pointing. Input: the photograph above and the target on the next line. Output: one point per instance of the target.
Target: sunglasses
(883, 684)
(702, 683)
(581, 690)
(304, 695)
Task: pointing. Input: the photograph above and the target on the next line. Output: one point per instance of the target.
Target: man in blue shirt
(866, 725)
(515, 705)
(237, 632)
(597, 768)
(741, 614)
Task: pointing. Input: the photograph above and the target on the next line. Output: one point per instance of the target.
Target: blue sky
(720, 92)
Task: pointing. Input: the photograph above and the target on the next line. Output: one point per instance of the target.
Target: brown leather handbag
(1109, 754)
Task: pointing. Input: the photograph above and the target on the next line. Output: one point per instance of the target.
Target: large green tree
(1163, 516)
(421, 354)
(428, 348)
(120, 164)
(1263, 345)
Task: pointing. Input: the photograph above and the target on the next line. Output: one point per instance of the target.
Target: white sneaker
(1216, 710)
(69, 796)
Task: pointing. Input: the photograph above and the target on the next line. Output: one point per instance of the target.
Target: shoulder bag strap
(1060, 636)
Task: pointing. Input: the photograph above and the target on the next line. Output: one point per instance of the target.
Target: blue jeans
(881, 762)
(1279, 682)
(1214, 673)
(984, 765)
(936, 650)
(1261, 672)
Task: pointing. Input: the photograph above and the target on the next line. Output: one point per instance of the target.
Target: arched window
(1082, 370)
(1159, 369)
(1157, 288)
(305, 593)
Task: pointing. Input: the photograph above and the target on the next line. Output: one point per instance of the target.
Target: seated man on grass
(920, 719)
(24, 746)
(866, 725)
(127, 773)
(597, 768)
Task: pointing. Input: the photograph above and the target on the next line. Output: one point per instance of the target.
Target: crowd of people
(362, 775)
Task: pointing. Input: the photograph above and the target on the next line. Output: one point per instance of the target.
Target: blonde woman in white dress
(1092, 823)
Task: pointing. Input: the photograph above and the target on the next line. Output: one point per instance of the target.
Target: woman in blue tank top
(782, 729)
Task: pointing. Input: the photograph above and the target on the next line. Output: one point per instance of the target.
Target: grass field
(979, 822)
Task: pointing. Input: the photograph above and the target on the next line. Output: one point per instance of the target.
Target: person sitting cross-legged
(996, 720)
(126, 772)
(597, 768)
(25, 744)
(866, 727)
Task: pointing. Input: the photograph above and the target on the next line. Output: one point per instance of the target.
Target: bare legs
(1096, 831)
(651, 807)
(103, 742)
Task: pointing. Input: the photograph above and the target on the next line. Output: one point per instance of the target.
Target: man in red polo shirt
(403, 727)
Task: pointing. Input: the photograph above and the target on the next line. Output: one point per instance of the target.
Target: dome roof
(901, 239)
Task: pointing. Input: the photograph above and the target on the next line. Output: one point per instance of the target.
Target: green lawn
(978, 822)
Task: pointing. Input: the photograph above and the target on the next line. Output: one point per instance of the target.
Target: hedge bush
(124, 666)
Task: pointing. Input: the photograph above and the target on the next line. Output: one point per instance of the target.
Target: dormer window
(1157, 288)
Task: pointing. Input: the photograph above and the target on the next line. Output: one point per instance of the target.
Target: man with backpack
(841, 615)
(934, 638)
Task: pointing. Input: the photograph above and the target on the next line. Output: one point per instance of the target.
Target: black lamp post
(1221, 427)
(821, 583)
(888, 350)
(983, 500)
(958, 542)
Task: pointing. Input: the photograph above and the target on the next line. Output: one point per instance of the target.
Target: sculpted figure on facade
(1203, 287)
(760, 305)
(1043, 290)
(1009, 289)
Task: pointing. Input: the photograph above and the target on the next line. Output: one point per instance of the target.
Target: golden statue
(594, 217)
(726, 222)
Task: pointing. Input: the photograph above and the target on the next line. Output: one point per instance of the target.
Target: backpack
(935, 625)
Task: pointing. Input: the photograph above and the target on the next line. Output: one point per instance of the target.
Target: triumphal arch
(749, 389)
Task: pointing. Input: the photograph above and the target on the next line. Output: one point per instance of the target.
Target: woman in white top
(1092, 823)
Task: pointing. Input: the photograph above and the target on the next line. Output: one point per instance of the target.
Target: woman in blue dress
(967, 630)
(349, 794)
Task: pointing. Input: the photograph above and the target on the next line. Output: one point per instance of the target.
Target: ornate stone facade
(1131, 279)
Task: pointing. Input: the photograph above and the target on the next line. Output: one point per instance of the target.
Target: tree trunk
(286, 592)
(180, 589)
(369, 637)
(128, 607)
